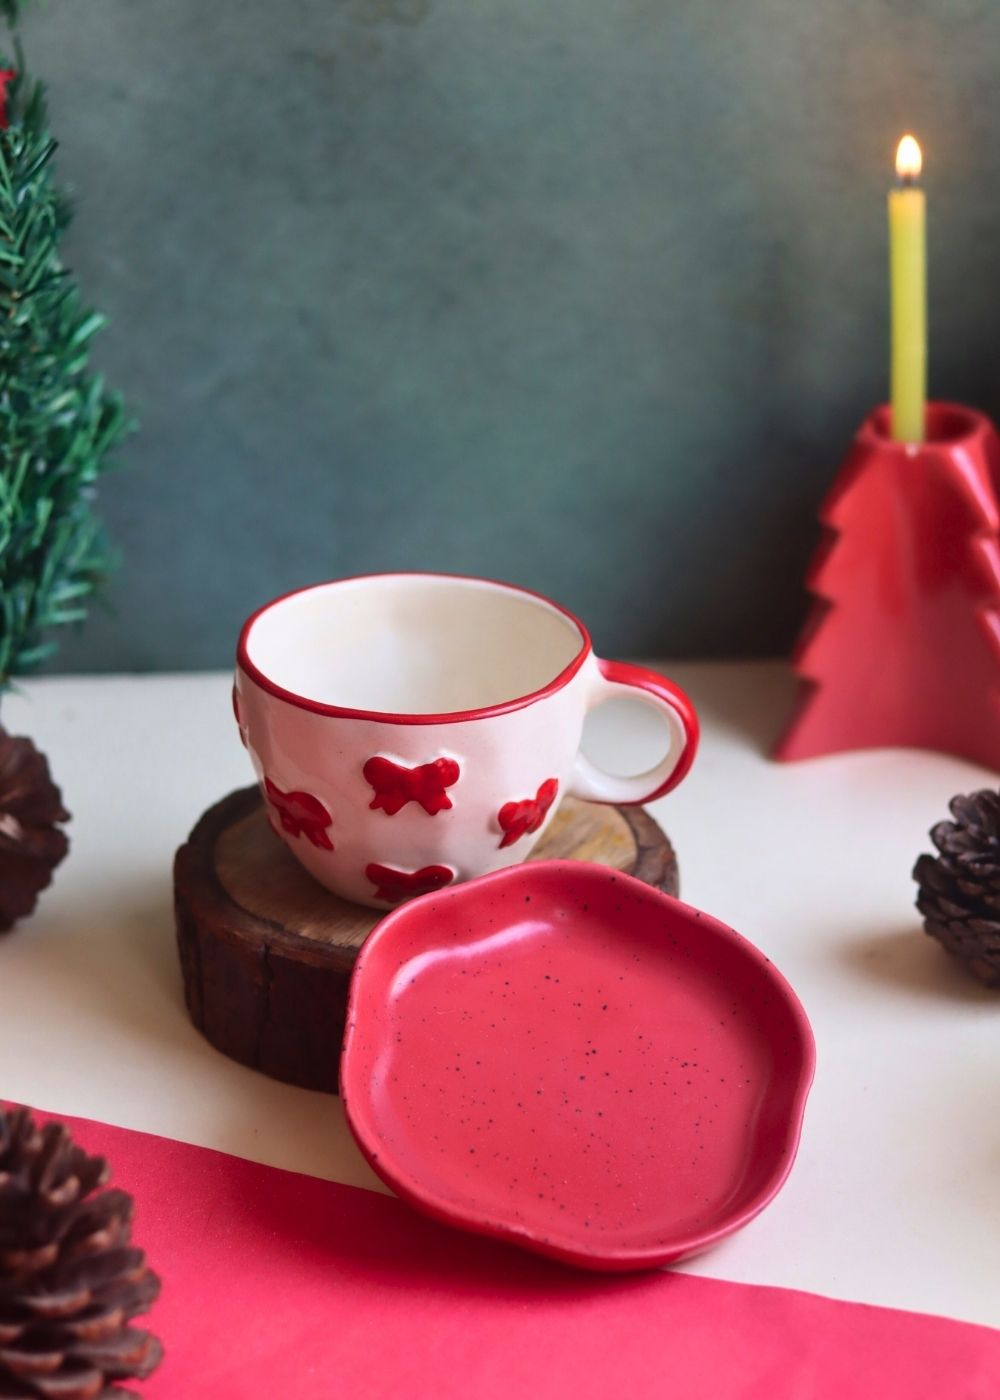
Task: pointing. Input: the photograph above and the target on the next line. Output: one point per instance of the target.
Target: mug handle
(618, 680)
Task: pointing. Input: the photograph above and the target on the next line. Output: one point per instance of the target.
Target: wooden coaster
(267, 953)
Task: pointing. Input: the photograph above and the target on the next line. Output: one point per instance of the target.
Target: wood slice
(267, 953)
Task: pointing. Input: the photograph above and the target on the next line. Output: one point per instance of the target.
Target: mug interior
(411, 644)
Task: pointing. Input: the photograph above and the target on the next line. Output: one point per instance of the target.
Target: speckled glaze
(561, 1056)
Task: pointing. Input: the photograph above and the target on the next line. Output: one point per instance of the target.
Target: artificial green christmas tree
(58, 423)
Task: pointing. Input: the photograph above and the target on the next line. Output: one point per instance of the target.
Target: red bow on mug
(396, 885)
(518, 819)
(301, 814)
(395, 785)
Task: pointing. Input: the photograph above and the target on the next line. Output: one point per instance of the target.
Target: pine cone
(960, 889)
(70, 1282)
(31, 844)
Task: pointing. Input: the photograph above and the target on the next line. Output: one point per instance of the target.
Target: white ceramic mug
(411, 730)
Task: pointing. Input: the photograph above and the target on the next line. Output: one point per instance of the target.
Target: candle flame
(909, 158)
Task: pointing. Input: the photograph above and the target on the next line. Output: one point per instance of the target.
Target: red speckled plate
(560, 1056)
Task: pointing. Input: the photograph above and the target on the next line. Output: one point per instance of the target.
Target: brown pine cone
(70, 1281)
(960, 889)
(31, 844)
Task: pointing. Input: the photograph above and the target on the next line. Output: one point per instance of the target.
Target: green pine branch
(58, 423)
(11, 11)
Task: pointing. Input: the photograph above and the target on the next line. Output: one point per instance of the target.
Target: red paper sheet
(283, 1287)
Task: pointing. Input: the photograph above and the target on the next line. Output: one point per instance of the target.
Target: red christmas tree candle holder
(902, 647)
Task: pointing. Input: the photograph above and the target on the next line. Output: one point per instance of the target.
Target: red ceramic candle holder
(902, 647)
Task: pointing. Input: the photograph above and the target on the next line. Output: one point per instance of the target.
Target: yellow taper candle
(908, 278)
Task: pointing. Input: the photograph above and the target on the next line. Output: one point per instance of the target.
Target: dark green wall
(586, 295)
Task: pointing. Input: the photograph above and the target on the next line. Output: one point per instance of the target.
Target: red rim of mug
(318, 707)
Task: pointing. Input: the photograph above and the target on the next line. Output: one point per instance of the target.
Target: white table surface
(895, 1197)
